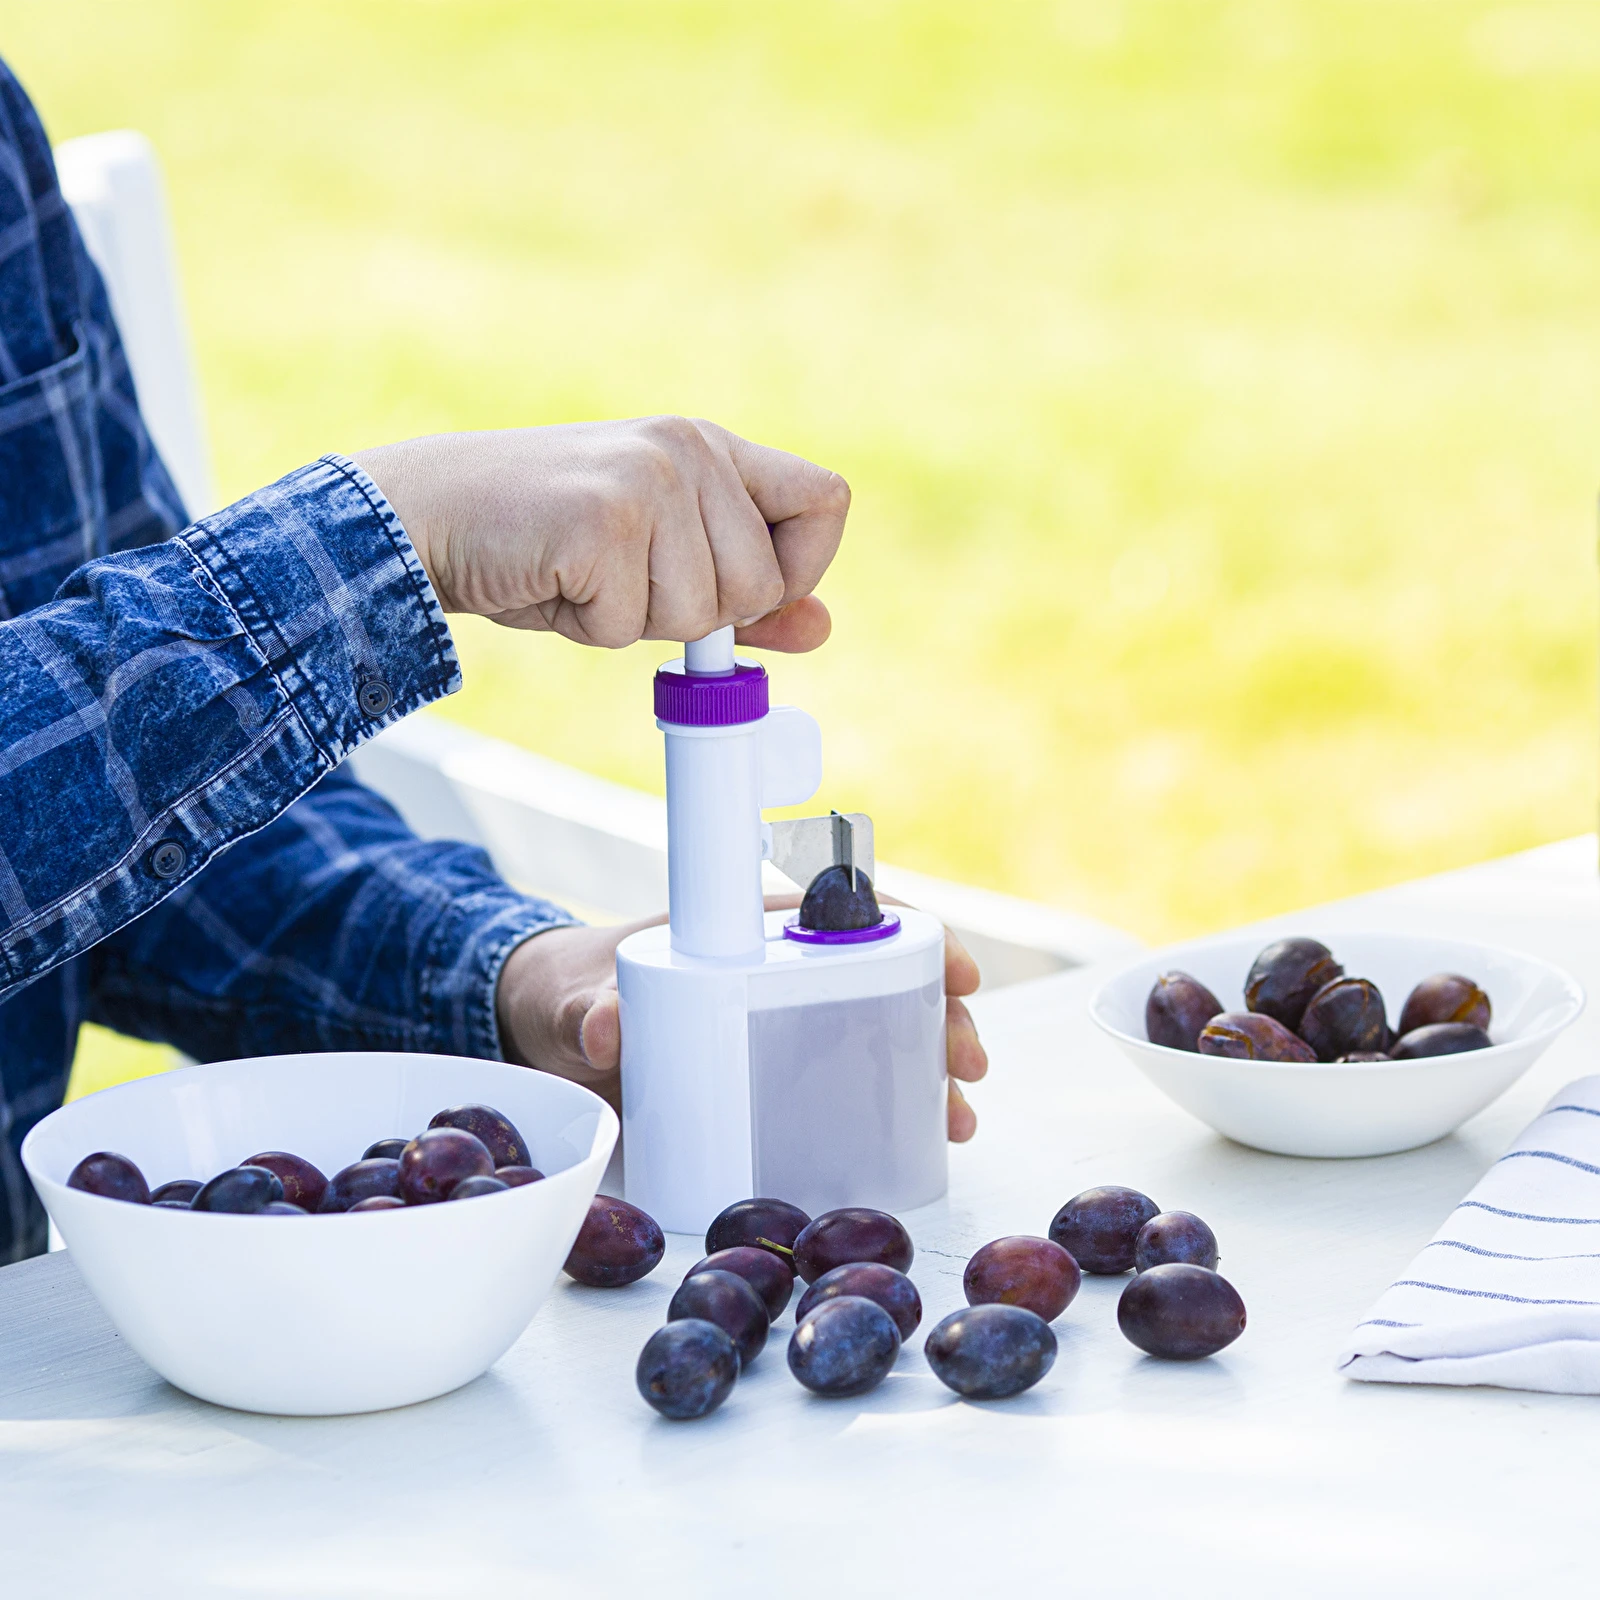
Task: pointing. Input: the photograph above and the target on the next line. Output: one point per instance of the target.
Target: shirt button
(168, 859)
(374, 696)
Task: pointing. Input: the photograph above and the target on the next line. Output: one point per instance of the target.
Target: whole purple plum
(727, 1300)
(496, 1130)
(852, 1233)
(1180, 1312)
(768, 1274)
(870, 1280)
(1022, 1270)
(515, 1177)
(1099, 1227)
(437, 1160)
(1174, 1236)
(616, 1245)
(303, 1184)
(111, 1176)
(768, 1224)
(377, 1177)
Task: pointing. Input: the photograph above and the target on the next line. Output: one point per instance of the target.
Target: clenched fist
(610, 532)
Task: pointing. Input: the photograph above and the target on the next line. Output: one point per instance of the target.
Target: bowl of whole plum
(318, 1234)
(1356, 1044)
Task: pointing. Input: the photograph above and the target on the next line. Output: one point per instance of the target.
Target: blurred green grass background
(1217, 381)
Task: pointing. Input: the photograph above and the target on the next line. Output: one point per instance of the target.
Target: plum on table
(379, 1202)
(371, 1177)
(768, 1224)
(496, 1131)
(385, 1150)
(687, 1369)
(282, 1208)
(244, 1190)
(1174, 1236)
(845, 1347)
(111, 1176)
(303, 1184)
(617, 1245)
(1177, 1009)
(727, 1300)
(1181, 1312)
(1439, 1039)
(851, 1233)
(767, 1273)
(990, 1352)
(1022, 1270)
(871, 1280)
(1252, 1036)
(1445, 997)
(1283, 978)
(1099, 1228)
(437, 1160)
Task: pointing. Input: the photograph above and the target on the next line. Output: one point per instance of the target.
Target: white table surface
(1259, 1472)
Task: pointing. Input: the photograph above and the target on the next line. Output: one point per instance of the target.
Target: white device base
(813, 1074)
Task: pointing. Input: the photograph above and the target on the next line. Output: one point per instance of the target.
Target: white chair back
(112, 181)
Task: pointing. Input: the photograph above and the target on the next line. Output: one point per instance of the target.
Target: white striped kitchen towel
(1508, 1291)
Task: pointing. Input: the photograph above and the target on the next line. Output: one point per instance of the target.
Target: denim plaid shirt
(179, 857)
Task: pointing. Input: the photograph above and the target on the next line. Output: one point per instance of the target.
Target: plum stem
(772, 1244)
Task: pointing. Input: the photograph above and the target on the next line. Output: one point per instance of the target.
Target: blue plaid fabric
(179, 857)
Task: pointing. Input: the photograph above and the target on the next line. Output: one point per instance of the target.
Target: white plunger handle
(714, 653)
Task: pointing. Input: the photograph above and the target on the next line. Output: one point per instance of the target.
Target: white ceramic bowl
(1360, 1109)
(320, 1315)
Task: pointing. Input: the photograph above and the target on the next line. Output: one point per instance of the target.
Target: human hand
(557, 1007)
(610, 532)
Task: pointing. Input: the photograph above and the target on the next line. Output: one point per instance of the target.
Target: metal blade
(804, 846)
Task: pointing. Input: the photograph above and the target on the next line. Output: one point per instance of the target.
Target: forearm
(173, 700)
(335, 928)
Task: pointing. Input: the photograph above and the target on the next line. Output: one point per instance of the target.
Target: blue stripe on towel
(1505, 1255)
(1588, 1111)
(1528, 1216)
(1549, 1155)
(1487, 1294)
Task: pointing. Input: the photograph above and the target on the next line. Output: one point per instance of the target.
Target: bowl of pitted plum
(1356, 1044)
(318, 1234)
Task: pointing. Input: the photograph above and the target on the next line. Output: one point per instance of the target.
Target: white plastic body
(714, 840)
(718, 781)
(814, 1073)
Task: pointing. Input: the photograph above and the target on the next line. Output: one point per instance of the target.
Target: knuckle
(675, 435)
(836, 495)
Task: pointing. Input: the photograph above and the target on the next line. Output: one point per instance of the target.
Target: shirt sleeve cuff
(471, 945)
(321, 574)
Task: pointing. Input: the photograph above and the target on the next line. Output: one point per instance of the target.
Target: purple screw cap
(711, 700)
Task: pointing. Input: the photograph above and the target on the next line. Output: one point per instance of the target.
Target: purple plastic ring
(711, 700)
(879, 930)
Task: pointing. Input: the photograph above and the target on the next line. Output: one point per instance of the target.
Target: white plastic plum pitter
(759, 1058)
